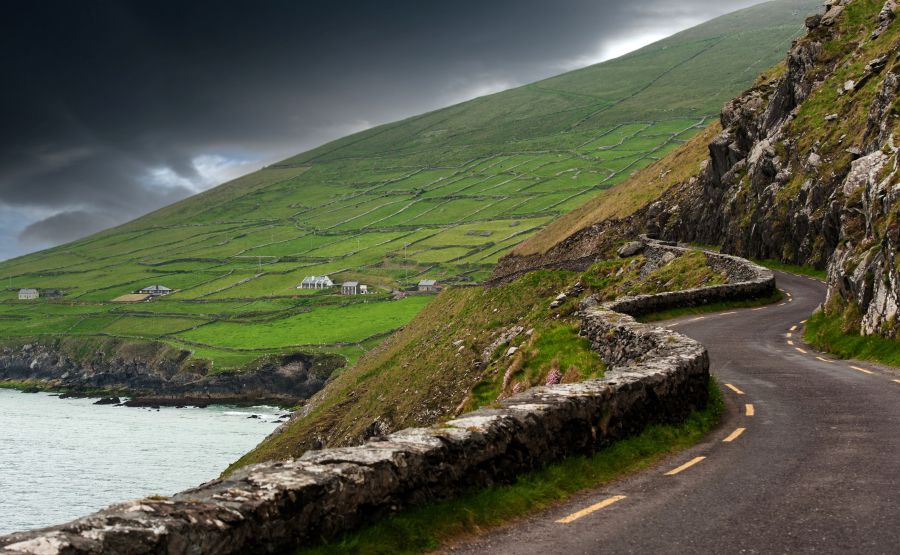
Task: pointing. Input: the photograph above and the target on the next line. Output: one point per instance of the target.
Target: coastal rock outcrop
(158, 376)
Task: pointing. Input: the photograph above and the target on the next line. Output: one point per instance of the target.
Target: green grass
(326, 325)
(429, 527)
(552, 346)
(441, 195)
(792, 268)
(712, 307)
(826, 333)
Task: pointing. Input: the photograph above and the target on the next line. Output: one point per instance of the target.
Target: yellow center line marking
(801, 350)
(734, 435)
(733, 388)
(898, 381)
(794, 327)
(790, 342)
(824, 359)
(863, 370)
(749, 410)
(685, 466)
(595, 507)
(788, 334)
(790, 300)
(802, 321)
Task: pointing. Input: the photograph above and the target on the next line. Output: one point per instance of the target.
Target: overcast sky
(110, 109)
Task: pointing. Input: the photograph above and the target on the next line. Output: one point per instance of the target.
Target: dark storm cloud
(113, 108)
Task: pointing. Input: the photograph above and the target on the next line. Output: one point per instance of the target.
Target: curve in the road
(806, 460)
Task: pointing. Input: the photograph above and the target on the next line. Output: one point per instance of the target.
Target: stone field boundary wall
(653, 375)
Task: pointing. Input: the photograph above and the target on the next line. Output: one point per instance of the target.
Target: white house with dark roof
(316, 282)
(155, 290)
(28, 294)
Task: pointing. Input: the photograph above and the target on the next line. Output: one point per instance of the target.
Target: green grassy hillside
(442, 195)
(471, 347)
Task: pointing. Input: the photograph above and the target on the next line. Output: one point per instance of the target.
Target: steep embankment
(473, 347)
(803, 171)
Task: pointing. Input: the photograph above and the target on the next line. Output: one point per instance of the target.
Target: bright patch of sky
(208, 170)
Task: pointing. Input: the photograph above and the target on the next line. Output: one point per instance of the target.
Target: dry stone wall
(654, 375)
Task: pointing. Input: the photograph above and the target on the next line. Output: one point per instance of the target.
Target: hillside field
(441, 195)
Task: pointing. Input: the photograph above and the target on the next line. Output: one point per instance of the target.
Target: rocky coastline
(151, 380)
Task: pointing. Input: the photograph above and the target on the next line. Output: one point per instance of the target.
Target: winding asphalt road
(807, 458)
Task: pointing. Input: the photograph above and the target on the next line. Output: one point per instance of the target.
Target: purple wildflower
(554, 377)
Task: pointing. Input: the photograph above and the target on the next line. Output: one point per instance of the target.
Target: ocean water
(65, 458)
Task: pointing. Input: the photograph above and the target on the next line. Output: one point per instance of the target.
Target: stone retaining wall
(654, 375)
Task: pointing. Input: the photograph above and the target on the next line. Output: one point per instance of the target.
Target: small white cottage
(428, 285)
(28, 294)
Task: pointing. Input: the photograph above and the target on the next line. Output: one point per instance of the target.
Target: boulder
(630, 249)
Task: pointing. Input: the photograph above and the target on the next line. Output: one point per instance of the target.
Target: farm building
(155, 290)
(28, 294)
(428, 285)
(316, 282)
(350, 288)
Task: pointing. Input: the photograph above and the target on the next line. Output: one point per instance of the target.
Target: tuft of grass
(428, 527)
(711, 307)
(826, 333)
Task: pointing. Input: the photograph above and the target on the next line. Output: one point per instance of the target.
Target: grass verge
(773, 264)
(427, 527)
(825, 333)
(712, 307)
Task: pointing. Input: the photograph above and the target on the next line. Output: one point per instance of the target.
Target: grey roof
(27, 291)
(316, 279)
(350, 284)
(427, 282)
(156, 288)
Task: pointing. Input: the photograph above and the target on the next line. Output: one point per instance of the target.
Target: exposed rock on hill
(804, 171)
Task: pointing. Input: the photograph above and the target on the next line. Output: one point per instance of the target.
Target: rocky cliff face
(158, 376)
(804, 170)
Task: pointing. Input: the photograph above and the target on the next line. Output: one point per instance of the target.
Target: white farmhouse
(28, 294)
(316, 282)
(155, 290)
